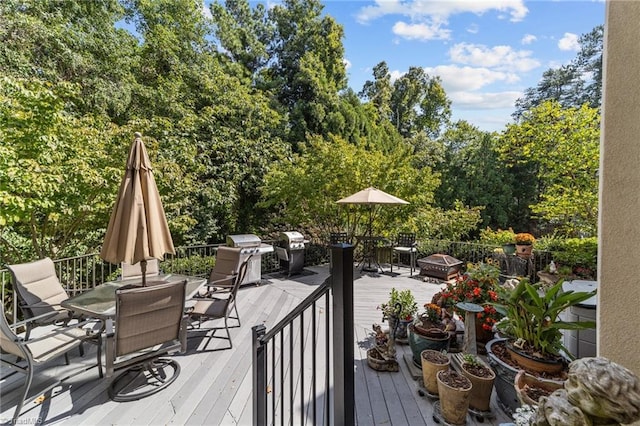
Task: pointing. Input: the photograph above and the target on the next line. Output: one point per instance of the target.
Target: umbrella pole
(143, 269)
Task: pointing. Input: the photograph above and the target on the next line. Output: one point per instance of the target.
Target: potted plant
(403, 306)
(524, 244)
(429, 331)
(479, 285)
(482, 378)
(534, 341)
(454, 391)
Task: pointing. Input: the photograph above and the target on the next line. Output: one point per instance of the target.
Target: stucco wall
(619, 222)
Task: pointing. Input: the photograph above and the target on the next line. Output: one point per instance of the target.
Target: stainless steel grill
(290, 251)
(251, 245)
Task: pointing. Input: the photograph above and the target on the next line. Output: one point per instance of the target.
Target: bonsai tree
(407, 301)
(532, 317)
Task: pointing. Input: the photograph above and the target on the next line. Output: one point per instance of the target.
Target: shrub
(497, 238)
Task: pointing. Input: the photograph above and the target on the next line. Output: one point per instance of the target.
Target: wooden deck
(214, 387)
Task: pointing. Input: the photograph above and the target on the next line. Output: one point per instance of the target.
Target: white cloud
(457, 79)
(485, 100)
(206, 12)
(528, 39)
(499, 57)
(473, 29)
(421, 31)
(569, 42)
(417, 10)
(347, 63)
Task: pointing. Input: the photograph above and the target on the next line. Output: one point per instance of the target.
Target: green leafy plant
(471, 360)
(498, 237)
(405, 298)
(533, 316)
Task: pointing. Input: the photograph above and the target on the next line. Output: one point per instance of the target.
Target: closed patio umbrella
(137, 228)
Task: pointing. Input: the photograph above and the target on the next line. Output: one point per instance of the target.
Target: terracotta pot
(454, 401)
(534, 364)
(524, 250)
(524, 380)
(481, 389)
(430, 370)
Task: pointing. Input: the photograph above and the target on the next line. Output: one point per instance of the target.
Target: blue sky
(487, 52)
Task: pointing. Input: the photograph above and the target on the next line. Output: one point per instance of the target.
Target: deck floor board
(215, 387)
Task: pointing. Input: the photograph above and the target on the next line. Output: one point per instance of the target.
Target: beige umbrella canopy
(371, 196)
(138, 228)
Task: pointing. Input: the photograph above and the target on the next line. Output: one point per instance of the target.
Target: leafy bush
(581, 254)
(497, 238)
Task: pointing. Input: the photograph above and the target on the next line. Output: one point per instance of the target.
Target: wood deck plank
(216, 387)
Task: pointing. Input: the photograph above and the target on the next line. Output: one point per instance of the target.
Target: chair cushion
(38, 286)
(214, 308)
(56, 344)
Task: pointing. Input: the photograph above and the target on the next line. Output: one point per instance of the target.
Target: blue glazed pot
(419, 343)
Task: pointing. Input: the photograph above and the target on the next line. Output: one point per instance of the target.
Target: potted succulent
(533, 340)
(403, 306)
(524, 244)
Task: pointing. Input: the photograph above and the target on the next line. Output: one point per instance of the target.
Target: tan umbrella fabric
(138, 227)
(371, 195)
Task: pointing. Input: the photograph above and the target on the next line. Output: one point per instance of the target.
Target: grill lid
(292, 237)
(243, 240)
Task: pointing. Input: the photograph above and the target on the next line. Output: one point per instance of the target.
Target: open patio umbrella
(371, 197)
(138, 228)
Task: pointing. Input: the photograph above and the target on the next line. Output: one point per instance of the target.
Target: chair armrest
(33, 319)
(60, 330)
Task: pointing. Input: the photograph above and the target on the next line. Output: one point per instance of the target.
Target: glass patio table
(100, 302)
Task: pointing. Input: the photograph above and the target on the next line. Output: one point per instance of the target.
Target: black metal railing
(281, 394)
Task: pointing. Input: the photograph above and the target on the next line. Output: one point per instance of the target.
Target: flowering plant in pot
(524, 244)
(479, 285)
(430, 330)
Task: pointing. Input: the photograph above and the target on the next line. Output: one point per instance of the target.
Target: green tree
(307, 69)
(559, 147)
(473, 174)
(379, 91)
(419, 104)
(55, 172)
(243, 33)
(71, 41)
(572, 85)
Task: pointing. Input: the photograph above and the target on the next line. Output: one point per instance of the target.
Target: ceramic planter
(431, 369)
(534, 364)
(454, 401)
(418, 342)
(505, 377)
(481, 390)
(524, 250)
(524, 380)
